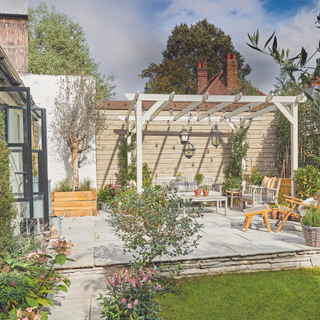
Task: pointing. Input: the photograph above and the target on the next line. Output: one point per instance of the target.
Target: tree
(75, 118)
(186, 46)
(7, 200)
(57, 46)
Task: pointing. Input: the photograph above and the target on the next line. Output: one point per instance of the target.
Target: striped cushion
(268, 182)
(264, 182)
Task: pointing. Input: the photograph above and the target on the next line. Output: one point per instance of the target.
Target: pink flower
(108, 280)
(116, 280)
(158, 287)
(136, 302)
(143, 274)
(133, 284)
(52, 279)
(19, 312)
(25, 318)
(126, 272)
(154, 271)
(41, 277)
(124, 301)
(129, 306)
(145, 279)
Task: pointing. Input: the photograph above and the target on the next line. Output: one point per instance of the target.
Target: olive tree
(76, 120)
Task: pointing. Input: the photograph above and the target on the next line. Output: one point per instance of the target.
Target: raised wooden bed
(74, 204)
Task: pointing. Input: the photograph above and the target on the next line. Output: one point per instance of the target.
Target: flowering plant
(131, 295)
(107, 194)
(24, 286)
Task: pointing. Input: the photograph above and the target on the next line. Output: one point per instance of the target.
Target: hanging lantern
(189, 150)
(184, 135)
(215, 136)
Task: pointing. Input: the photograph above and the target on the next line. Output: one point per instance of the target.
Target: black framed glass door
(27, 140)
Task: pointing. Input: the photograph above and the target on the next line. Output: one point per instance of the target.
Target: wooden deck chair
(291, 210)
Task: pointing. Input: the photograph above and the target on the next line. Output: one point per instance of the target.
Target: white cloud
(126, 36)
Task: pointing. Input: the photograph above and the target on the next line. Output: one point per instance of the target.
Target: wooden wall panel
(14, 41)
(163, 152)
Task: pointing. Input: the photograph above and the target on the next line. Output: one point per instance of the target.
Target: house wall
(163, 152)
(14, 41)
(44, 89)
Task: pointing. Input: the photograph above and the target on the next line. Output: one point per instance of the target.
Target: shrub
(85, 185)
(256, 177)
(146, 175)
(232, 183)
(63, 185)
(24, 286)
(107, 194)
(308, 181)
(7, 200)
(312, 217)
(152, 225)
(132, 295)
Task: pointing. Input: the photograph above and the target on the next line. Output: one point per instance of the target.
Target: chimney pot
(203, 64)
(228, 56)
(234, 57)
(199, 64)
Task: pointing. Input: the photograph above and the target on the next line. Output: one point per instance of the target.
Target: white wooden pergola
(288, 105)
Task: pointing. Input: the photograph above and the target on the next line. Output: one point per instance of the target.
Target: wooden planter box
(285, 186)
(74, 204)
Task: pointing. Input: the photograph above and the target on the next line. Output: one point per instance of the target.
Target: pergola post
(294, 145)
(139, 123)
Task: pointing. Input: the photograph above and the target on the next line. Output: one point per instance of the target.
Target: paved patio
(224, 244)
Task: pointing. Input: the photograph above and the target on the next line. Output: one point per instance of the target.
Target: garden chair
(267, 193)
(292, 209)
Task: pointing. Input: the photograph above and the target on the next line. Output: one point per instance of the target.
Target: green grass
(286, 294)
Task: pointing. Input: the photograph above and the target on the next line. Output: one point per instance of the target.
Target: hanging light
(190, 116)
(184, 135)
(189, 150)
(223, 110)
(215, 136)
(209, 118)
(249, 108)
(198, 110)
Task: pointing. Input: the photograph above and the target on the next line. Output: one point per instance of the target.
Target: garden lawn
(286, 294)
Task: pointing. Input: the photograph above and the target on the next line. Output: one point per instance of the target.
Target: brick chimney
(202, 76)
(230, 72)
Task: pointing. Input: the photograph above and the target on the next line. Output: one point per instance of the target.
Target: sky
(125, 36)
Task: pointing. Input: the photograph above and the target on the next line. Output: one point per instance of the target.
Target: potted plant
(311, 226)
(206, 190)
(199, 177)
(274, 212)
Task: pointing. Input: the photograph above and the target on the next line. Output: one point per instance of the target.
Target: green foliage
(205, 187)
(308, 181)
(199, 177)
(246, 88)
(232, 183)
(312, 217)
(186, 46)
(85, 185)
(129, 172)
(239, 150)
(107, 194)
(256, 177)
(151, 225)
(131, 295)
(221, 296)
(27, 283)
(57, 46)
(7, 199)
(63, 185)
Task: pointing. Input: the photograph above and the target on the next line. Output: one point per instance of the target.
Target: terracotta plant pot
(206, 193)
(197, 193)
(274, 213)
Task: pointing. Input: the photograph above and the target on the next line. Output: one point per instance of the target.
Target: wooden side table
(234, 194)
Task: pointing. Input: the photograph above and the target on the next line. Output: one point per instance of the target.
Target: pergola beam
(260, 112)
(191, 106)
(285, 111)
(133, 102)
(241, 109)
(154, 112)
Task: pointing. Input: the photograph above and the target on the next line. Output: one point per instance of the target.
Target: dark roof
(14, 7)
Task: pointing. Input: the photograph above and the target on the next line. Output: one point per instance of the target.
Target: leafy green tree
(57, 46)
(7, 200)
(186, 46)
